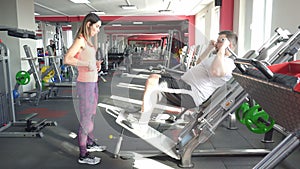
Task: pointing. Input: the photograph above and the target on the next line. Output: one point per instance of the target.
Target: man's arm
(218, 67)
(207, 51)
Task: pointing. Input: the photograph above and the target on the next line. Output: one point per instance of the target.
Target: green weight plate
(23, 77)
(240, 112)
(258, 121)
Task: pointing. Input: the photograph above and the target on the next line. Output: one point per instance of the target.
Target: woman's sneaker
(89, 159)
(95, 147)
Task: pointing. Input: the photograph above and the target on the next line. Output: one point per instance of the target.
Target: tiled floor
(57, 150)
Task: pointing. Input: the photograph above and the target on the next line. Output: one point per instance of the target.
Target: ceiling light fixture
(99, 12)
(36, 14)
(128, 7)
(116, 24)
(137, 23)
(165, 11)
(80, 1)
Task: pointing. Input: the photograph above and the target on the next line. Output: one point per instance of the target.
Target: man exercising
(213, 69)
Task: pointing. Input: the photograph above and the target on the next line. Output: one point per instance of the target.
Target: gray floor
(57, 150)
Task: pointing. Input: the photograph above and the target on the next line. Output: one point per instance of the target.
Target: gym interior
(253, 121)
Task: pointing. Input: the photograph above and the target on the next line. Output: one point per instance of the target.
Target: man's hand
(208, 50)
(226, 43)
(211, 44)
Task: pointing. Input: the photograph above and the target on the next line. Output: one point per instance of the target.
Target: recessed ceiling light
(99, 13)
(36, 14)
(80, 1)
(137, 23)
(128, 7)
(116, 24)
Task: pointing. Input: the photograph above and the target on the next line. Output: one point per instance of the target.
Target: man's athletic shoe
(95, 147)
(89, 159)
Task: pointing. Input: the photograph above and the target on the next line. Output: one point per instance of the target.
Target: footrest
(36, 126)
(40, 125)
(150, 135)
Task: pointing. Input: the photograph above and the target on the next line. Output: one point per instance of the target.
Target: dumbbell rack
(7, 110)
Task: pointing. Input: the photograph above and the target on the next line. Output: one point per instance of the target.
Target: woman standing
(82, 54)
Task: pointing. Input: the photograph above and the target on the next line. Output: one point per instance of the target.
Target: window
(261, 22)
(215, 27)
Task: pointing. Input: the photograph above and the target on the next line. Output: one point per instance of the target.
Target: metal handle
(256, 63)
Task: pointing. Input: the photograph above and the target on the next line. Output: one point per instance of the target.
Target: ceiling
(112, 7)
(146, 11)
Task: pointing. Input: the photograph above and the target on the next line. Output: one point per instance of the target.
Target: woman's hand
(98, 64)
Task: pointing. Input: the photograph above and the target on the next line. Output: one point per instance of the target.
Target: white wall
(286, 15)
(18, 14)
(242, 24)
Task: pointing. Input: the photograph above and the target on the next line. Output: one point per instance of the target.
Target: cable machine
(7, 109)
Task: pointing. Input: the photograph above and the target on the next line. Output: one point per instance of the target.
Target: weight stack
(4, 110)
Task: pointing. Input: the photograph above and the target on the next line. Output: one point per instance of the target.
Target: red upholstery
(288, 68)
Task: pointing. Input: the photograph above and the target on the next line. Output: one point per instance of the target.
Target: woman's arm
(76, 47)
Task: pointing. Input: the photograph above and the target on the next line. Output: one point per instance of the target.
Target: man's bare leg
(149, 98)
(151, 84)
